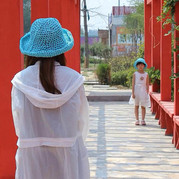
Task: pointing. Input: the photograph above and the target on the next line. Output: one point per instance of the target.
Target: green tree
(135, 22)
(100, 50)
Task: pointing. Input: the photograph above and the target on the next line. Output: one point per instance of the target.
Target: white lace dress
(140, 91)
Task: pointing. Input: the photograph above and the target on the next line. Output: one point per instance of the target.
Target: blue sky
(99, 10)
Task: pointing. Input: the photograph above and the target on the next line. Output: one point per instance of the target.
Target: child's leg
(143, 112)
(143, 115)
(137, 112)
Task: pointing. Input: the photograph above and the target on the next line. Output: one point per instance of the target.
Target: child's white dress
(140, 91)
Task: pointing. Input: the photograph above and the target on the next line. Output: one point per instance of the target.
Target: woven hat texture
(140, 60)
(46, 38)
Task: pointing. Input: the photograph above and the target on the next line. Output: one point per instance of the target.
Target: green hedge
(119, 78)
(103, 73)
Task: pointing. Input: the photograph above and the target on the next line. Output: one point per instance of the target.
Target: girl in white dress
(49, 107)
(140, 90)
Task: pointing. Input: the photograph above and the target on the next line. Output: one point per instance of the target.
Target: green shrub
(121, 63)
(130, 73)
(95, 61)
(154, 75)
(100, 50)
(103, 73)
(119, 78)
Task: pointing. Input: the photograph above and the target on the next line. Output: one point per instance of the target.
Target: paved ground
(119, 149)
(107, 93)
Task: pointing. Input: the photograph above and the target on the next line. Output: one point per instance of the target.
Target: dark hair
(47, 67)
(140, 63)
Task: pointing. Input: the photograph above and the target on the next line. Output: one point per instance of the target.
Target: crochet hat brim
(26, 49)
(140, 61)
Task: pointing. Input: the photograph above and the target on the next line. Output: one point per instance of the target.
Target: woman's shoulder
(29, 71)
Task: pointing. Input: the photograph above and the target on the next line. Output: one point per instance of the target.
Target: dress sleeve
(84, 113)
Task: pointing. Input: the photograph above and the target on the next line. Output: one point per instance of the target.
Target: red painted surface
(168, 110)
(176, 64)
(162, 120)
(68, 13)
(175, 140)
(149, 1)
(147, 30)
(155, 39)
(161, 105)
(39, 9)
(165, 61)
(11, 28)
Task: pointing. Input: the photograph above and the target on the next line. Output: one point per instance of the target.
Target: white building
(120, 39)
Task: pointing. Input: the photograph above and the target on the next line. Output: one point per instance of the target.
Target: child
(140, 90)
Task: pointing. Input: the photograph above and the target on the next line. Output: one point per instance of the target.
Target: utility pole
(86, 61)
(119, 2)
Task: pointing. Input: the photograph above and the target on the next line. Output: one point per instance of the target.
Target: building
(92, 37)
(91, 40)
(103, 36)
(120, 39)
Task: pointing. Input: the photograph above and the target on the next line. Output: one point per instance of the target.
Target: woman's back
(50, 126)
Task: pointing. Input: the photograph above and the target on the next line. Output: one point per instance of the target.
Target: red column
(155, 40)
(165, 61)
(39, 9)
(176, 63)
(11, 28)
(147, 29)
(68, 13)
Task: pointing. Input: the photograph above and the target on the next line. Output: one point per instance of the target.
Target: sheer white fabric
(51, 129)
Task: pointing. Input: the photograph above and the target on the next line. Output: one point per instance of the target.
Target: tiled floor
(119, 149)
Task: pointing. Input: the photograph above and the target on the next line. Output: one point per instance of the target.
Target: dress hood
(28, 82)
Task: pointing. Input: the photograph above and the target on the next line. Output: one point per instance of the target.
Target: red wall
(160, 50)
(176, 63)
(147, 29)
(165, 61)
(155, 38)
(68, 13)
(11, 28)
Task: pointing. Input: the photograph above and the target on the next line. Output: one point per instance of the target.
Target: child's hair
(47, 67)
(140, 63)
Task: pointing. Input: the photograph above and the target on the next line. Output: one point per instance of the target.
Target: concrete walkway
(106, 93)
(119, 149)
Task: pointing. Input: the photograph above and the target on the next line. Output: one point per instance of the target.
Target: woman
(49, 107)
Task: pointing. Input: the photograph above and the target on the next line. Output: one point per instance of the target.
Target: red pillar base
(162, 119)
(169, 125)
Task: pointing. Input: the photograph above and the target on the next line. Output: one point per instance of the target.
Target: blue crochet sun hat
(140, 60)
(46, 38)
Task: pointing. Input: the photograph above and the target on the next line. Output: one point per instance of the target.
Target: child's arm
(133, 84)
(147, 84)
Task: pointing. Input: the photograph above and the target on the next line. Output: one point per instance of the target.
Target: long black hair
(47, 66)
